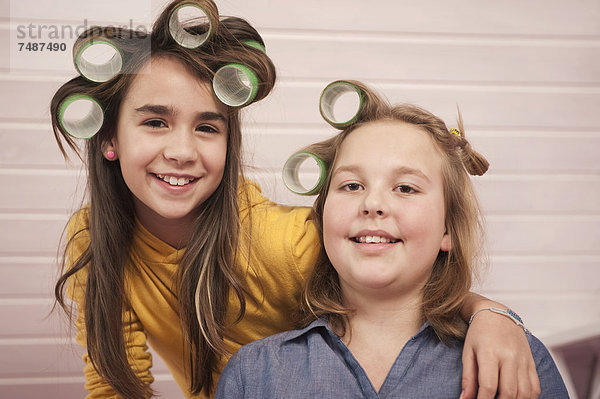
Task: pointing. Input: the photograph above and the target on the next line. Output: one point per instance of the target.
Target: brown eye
(405, 189)
(207, 129)
(155, 123)
(351, 187)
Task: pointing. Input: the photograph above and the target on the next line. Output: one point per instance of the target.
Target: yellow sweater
(284, 248)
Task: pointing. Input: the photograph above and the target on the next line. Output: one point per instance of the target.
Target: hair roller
(364, 103)
(76, 112)
(97, 59)
(291, 173)
(329, 104)
(244, 72)
(235, 85)
(100, 53)
(189, 23)
(80, 116)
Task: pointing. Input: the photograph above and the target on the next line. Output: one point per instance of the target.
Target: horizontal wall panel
(545, 151)
(111, 11)
(35, 235)
(544, 235)
(61, 192)
(41, 360)
(539, 193)
(540, 274)
(27, 277)
(31, 318)
(407, 16)
(32, 146)
(436, 59)
(72, 388)
(52, 387)
(49, 358)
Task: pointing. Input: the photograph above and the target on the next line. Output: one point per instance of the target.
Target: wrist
(508, 313)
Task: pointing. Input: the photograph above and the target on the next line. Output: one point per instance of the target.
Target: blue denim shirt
(315, 363)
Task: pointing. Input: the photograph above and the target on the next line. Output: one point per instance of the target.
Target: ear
(446, 244)
(109, 150)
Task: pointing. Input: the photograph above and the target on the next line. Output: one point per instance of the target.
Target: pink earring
(110, 155)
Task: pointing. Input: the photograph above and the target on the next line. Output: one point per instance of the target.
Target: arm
(496, 355)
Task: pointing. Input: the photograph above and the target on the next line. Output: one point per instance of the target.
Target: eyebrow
(401, 170)
(164, 110)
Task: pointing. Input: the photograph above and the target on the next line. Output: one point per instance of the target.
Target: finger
(469, 375)
(534, 381)
(488, 379)
(510, 382)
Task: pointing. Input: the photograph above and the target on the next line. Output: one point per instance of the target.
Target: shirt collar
(322, 324)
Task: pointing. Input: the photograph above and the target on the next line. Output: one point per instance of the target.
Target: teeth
(374, 239)
(174, 181)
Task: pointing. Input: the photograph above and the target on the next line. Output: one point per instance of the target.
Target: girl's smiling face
(384, 216)
(171, 142)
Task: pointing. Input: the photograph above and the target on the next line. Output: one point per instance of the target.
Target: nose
(180, 146)
(373, 204)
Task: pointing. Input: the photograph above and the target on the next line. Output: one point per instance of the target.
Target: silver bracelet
(508, 313)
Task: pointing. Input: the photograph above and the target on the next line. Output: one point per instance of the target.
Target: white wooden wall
(526, 76)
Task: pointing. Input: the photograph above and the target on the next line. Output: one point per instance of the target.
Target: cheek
(336, 224)
(216, 157)
(424, 221)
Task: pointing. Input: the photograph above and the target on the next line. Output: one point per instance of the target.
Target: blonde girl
(400, 226)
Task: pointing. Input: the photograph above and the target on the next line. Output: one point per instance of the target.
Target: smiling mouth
(175, 181)
(374, 240)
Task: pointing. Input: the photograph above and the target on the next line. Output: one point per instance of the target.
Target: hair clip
(80, 116)
(291, 173)
(455, 131)
(340, 116)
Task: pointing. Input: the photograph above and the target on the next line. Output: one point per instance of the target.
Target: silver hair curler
(80, 116)
(291, 173)
(328, 103)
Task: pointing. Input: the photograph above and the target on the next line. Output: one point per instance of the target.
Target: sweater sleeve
(282, 235)
(139, 357)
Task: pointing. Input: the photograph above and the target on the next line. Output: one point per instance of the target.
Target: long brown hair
(208, 267)
(450, 280)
